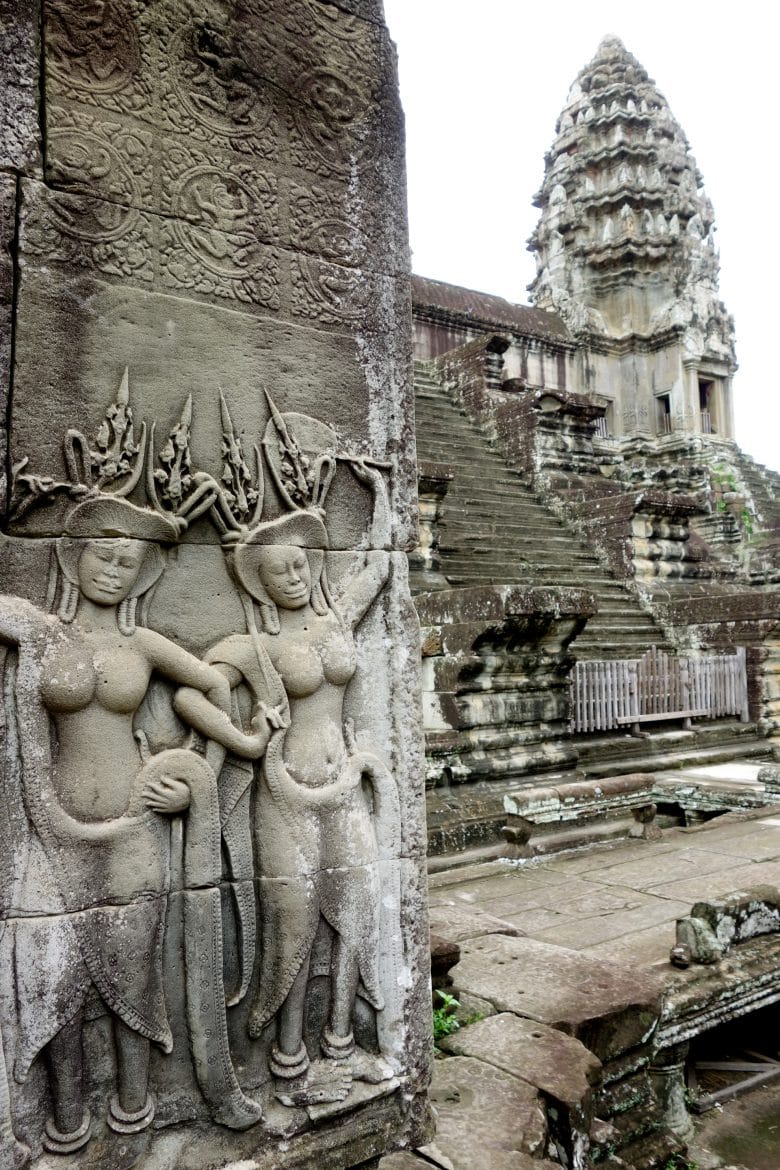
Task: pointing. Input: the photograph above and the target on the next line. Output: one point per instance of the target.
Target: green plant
(677, 1162)
(444, 1020)
(725, 481)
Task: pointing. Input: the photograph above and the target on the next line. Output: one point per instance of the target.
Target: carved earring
(69, 601)
(126, 616)
(318, 600)
(269, 617)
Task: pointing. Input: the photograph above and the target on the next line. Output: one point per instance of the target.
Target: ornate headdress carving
(101, 476)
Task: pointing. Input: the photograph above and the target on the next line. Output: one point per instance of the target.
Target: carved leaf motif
(174, 478)
(93, 45)
(239, 492)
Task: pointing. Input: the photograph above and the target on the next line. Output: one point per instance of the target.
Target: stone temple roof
(622, 199)
(440, 300)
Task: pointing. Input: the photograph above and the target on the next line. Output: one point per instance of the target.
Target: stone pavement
(620, 900)
(576, 947)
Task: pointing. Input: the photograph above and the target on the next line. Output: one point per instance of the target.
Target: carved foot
(365, 1066)
(237, 1111)
(321, 1083)
(361, 1065)
(67, 1143)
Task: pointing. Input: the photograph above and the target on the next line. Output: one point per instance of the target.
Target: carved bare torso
(93, 683)
(315, 661)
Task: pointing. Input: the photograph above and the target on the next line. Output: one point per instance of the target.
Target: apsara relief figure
(93, 891)
(323, 810)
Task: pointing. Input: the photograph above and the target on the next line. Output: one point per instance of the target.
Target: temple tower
(625, 253)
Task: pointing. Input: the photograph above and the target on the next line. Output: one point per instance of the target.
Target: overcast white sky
(482, 84)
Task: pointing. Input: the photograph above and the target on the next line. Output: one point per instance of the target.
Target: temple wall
(213, 939)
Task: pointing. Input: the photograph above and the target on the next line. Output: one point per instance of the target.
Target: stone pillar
(687, 416)
(212, 838)
(668, 1076)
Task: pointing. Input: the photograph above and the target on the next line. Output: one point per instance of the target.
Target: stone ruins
(583, 503)
(213, 942)
(597, 582)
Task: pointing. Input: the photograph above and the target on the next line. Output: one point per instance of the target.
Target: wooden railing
(608, 694)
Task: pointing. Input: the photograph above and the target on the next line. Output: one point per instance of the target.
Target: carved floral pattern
(217, 263)
(88, 233)
(214, 83)
(100, 157)
(98, 53)
(334, 120)
(329, 292)
(220, 202)
(94, 45)
(316, 226)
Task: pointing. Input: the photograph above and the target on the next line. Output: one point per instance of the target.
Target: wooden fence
(609, 694)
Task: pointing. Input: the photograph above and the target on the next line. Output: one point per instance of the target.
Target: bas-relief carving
(306, 818)
(189, 88)
(223, 264)
(321, 804)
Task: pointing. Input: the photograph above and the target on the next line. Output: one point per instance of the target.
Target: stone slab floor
(617, 901)
(620, 900)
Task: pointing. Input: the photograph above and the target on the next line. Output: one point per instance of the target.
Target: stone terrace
(495, 529)
(577, 945)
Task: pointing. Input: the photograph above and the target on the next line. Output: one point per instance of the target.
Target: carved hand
(367, 475)
(168, 795)
(266, 720)
(275, 717)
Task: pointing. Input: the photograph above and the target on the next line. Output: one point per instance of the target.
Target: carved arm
(196, 709)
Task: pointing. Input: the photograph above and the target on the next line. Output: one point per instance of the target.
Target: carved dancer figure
(98, 859)
(321, 804)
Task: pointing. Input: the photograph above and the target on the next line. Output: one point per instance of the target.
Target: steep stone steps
(764, 486)
(494, 528)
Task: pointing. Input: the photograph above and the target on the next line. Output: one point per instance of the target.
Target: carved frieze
(217, 263)
(103, 157)
(213, 946)
(279, 788)
(100, 54)
(80, 231)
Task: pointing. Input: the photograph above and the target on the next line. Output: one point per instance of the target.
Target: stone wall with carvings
(213, 942)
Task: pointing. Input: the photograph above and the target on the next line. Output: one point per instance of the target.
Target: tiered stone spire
(624, 245)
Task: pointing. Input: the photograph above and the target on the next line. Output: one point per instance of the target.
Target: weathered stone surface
(213, 935)
(404, 1161)
(484, 1115)
(712, 928)
(246, 124)
(7, 235)
(456, 922)
(608, 1006)
(550, 1060)
(20, 148)
(174, 348)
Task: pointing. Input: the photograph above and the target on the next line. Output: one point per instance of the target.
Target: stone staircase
(495, 529)
(764, 487)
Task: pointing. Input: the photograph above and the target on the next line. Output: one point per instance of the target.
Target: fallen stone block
(608, 1006)
(712, 928)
